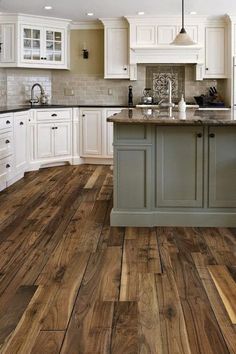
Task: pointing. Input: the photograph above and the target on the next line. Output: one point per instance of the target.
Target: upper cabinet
(215, 52)
(116, 58)
(24, 44)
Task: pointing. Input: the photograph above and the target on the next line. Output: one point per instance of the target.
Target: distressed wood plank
(226, 287)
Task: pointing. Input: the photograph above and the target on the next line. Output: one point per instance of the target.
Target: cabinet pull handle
(21, 123)
(7, 141)
(212, 135)
(199, 135)
(8, 166)
(54, 115)
(8, 122)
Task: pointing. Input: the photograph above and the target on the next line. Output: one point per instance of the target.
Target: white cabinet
(91, 131)
(6, 149)
(116, 58)
(145, 35)
(62, 139)
(45, 140)
(42, 45)
(7, 43)
(20, 141)
(215, 53)
(34, 42)
(53, 135)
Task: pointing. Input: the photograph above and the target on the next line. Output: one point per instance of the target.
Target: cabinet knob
(207, 69)
(7, 141)
(21, 123)
(211, 135)
(199, 135)
(42, 58)
(54, 115)
(56, 128)
(53, 128)
(8, 122)
(8, 166)
(125, 69)
(83, 115)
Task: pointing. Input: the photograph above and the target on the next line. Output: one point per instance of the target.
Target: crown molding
(86, 25)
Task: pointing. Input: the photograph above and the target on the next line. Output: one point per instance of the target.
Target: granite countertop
(190, 117)
(9, 109)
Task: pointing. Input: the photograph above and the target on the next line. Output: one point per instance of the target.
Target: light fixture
(47, 7)
(193, 13)
(140, 13)
(89, 13)
(183, 38)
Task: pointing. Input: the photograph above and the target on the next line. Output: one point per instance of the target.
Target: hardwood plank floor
(71, 284)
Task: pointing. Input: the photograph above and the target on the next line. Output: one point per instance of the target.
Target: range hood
(166, 54)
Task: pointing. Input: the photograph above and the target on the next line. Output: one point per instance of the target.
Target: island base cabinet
(222, 167)
(179, 167)
(132, 178)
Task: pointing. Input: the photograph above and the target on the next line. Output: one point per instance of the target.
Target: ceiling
(77, 9)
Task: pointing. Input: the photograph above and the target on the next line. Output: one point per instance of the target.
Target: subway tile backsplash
(15, 85)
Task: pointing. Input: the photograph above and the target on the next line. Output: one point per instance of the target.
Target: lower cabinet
(20, 141)
(54, 140)
(222, 167)
(96, 133)
(179, 166)
(91, 132)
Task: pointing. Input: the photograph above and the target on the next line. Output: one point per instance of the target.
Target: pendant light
(183, 38)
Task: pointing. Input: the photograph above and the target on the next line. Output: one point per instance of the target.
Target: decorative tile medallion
(157, 78)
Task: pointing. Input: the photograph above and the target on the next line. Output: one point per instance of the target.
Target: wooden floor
(71, 284)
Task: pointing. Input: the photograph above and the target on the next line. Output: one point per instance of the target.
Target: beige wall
(94, 40)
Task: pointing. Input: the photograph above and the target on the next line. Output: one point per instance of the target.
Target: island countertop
(190, 117)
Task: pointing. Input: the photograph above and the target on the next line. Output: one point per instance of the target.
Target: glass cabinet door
(54, 46)
(31, 44)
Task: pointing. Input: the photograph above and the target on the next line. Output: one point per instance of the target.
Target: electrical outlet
(69, 91)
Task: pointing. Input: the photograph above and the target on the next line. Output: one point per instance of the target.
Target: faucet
(170, 105)
(32, 99)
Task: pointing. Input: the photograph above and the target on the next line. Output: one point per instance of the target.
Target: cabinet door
(45, 140)
(31, 46)
(20, 141)
(91, 132)
(215, 52)
(132, 177)
(116, 53)
(63, 139)
(109, 131)
(179, 167)
(222, 167)
(54, 46)
(7, 47)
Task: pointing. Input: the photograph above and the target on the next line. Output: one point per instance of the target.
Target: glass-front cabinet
(43, 45)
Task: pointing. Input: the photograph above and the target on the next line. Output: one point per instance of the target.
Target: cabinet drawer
(6, 169)
(6, 121)
(54, 114)
(6, 144)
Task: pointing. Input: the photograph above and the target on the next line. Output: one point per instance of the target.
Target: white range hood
(166, 54)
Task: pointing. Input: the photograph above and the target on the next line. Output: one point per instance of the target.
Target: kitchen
(117, 163)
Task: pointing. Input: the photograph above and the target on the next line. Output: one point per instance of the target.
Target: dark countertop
(190, 117)
(11, 109)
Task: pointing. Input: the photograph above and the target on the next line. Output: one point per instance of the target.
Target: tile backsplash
(15, 85)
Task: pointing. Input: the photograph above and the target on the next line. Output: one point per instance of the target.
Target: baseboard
(175, 218)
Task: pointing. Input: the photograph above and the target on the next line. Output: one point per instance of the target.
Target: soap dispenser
(182, 104)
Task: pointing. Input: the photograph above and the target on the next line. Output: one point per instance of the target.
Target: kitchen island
(178, 171)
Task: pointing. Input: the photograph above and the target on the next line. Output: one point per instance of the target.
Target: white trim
(86, 25)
